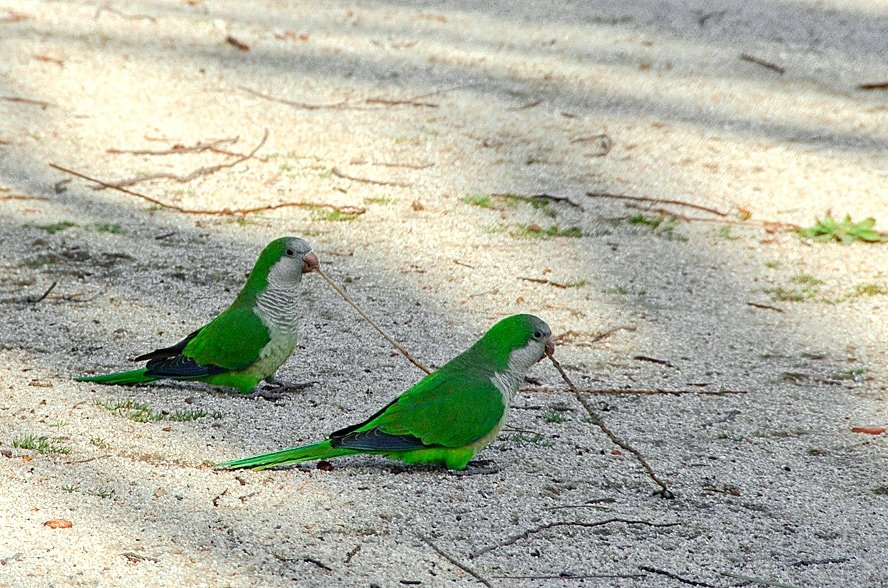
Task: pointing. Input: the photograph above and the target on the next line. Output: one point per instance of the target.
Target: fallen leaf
(27, 457)
(616, 452)
(58, 524)
(868, 430)
(325, 466)
(417, 205)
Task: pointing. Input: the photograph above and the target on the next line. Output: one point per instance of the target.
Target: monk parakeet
(247, 342)
(448, 415)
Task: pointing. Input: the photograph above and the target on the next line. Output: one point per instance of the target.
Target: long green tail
(322, 450)
(130, 377)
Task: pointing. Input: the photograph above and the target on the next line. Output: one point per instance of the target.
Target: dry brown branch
(762, 62)
(654, 200)
(530, 104)
(873, 86)
(452, 560)
(765, 306)
(546, 282)
(49, 59)
(400, 102)
(540, 196)
(123, 15)
(675, 577)
(596, 420)
(41, 103)
(373, 103)
(202, 171)
(212, 145)
(345, 104)
(373, 323)
(394, 164)
(527, 533)
(234, 41)
(224, 211)
(339, 174)
(20, 197)
(628, 391)
(29, 299)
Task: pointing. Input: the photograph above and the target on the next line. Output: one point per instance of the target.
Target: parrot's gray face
(539, 343)
(298, 259)
(542, 340)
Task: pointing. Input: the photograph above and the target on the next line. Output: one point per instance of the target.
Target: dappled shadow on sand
(160, 282)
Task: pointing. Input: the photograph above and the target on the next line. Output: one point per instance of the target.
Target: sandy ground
(501, 97)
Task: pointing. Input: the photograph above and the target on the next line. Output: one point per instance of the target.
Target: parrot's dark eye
(537, 335)
(290, 252)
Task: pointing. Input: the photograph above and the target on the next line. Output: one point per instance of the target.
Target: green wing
(450, 409)
(233, 340)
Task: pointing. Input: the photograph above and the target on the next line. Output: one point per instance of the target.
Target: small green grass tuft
(379, 200)
(41, 444)
(53, 228)
(70, 488)
(101, 493)
(534, 231)
(479, 200)
(333, 215)
(870, 289)
(661, 226)
(184, 416)
(142, 412)
(726, 232)
(114, 229)
(99, 442)
(553, 416)
(845, 231)
(772, 264)
(624, 291)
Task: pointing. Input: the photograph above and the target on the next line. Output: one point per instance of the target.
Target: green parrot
(247, 342)
(448, 415)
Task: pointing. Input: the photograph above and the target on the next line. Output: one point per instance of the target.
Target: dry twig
(375, 103)
(675, 577)
(373, 323)
(527, 533)
(224, 211)
(596, 420)
(657, 201)
(452, 560)
(335, 171)
(629, 391)
(762, 62)
(123, 15)
(212, 145)
(29, 299)
(873, 86)
(232, 40)
(202, 171)
(41, 103)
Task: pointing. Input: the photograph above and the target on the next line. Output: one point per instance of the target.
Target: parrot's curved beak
(310, 262)
(550, 345)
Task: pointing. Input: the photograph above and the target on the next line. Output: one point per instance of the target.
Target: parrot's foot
(480, 467)
(273, 383)
(264, 393)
